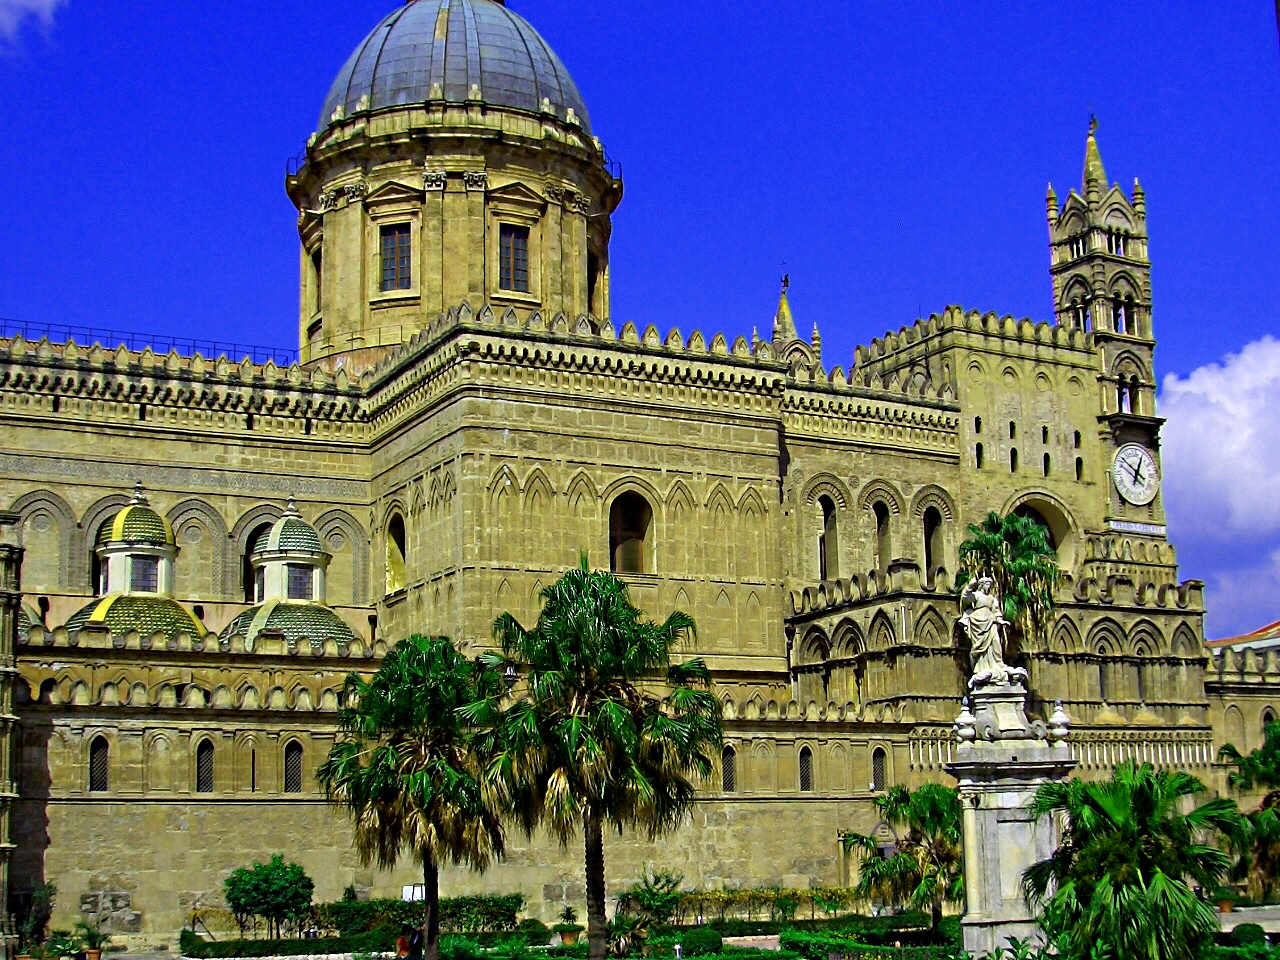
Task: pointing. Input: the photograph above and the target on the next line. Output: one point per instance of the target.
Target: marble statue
(982, 617)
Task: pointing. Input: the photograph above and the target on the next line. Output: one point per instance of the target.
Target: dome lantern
(136, 548)
(289, 561)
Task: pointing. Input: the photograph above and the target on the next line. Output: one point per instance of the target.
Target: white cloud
(1221, 456)
(13, 13)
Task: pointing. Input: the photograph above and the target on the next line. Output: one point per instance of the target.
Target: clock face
(1135, 474)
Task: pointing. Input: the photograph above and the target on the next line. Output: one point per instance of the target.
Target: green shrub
(276, 891)
(701, 942)
(374, 941)
(460, 948)
(483, 914)
(1253, 951)
(1247, 934)
(818, 946)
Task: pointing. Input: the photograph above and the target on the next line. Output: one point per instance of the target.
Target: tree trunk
(431, 907)
(597, 929)
(935, 916)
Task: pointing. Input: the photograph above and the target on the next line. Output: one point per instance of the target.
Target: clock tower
(1102, 286)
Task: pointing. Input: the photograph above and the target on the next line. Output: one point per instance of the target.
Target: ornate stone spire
(784, 326)
(1095, 175)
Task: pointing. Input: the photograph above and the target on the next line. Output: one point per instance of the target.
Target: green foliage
(375, 941)
(1257, 844)
(1014, 552)
(593, 740)
(1115, 888)
(701, 942)
(655, 898)
(928, 868)
(91, 936)
(276, 891)
(34, 913)
(461, 948)
(818, 946)
(475, 914)
(61, 944)
(1247, 934)
(404, 770)
(1256, 951)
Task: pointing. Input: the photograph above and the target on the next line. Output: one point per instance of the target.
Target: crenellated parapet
(1247, 666)
(40, 638)
(98, 383)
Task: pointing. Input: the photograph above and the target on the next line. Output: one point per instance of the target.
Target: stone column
(10, 599)
(1001, 762)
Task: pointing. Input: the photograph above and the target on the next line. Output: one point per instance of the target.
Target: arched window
(1268, 718)
(1123, 399)
(878, 770)
(881, 512)
(1076, 439)
(1031, 513)
(828, 544)
(806, 770)
(1079, 468)
(99, 765)
(1118, 317)
(204, 767)
(1135, 405)
(1104, 674)
(977, 455)
(933, 548)
(293, 767)
(1013, 460)
(1143, 681)
(97, 569)
(1013, 430)
(977, 424)
(397, 553)
(248, 579)
(630, 520)
(729, 770)
(1045, 464)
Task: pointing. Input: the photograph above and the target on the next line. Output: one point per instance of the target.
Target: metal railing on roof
(158, 342)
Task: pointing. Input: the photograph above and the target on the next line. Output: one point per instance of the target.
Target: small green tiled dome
(289, 533)
(296, 621)
(121, 613)
(137, 523)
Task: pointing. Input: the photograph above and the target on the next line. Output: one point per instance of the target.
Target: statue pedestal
(1001, 762)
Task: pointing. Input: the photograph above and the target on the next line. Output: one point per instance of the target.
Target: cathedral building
(211, 544)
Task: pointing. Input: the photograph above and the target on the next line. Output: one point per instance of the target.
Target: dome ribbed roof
(441, 49)
(137, 523)
(296, 621)
(121, 613)
(290, 532)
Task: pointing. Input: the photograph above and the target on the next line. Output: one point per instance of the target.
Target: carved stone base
(999, 713)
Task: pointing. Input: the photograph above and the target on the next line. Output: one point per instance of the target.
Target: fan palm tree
(608, 730)
(404, 770)
(1258, 843)
(1014, 552)
(927, 870)
(1116, 888)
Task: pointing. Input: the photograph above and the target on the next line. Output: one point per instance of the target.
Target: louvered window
(806, 770)
(99, 765)
(729, 770)
(293, 767)
(204, 767)
(878, 770)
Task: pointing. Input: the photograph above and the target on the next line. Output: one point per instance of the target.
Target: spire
(1095, 176)
(784, 327)
(1051, 203)
(1139, 199)
(139, 497)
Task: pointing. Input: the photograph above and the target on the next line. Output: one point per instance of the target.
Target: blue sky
(894, 155)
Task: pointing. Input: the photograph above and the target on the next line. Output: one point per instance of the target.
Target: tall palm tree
(403, 766)
(1116, 888)
(1014, 552)
(608, 729)
(927, 870)
(1258, 843)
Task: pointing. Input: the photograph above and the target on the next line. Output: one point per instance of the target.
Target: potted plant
(568, 927)
(92, 939)
(61, 944)
(1225, 898)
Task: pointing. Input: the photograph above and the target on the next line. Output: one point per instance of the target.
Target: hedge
(816, 946)
(374, 941)
(483, 914)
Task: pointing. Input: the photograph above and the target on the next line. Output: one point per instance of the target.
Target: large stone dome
(447, 50)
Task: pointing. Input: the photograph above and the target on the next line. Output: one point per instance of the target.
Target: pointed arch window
(806, 770)
(99, 765)
(933, 548)
(249, 579)
(881, 513)
(397, 553)
(204, 767)
(630, 524)
(1119, 317)
(879, 773)
(293, 767)
(729, 770)
(828, 544)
